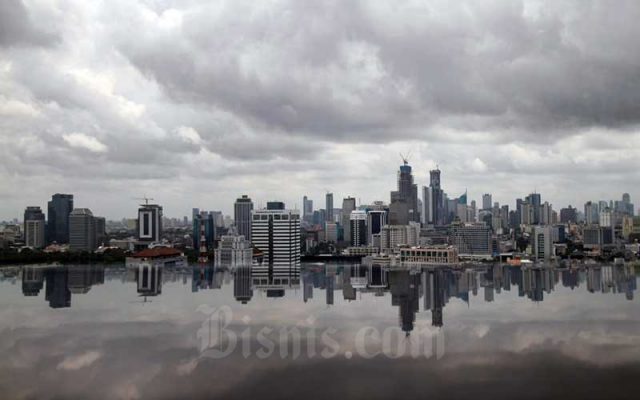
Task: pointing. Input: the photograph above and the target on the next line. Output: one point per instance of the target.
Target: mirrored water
(319, 330)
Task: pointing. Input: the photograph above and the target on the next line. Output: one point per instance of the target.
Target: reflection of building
(32, 280)
(57, 292)
(242, 290)
(405, 293)
(149, 279)
(158, 256)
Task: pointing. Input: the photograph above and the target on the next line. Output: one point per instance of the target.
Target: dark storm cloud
(361, 71)
(18, 29)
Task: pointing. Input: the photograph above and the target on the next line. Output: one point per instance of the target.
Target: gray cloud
(18, 29)
(326, 94)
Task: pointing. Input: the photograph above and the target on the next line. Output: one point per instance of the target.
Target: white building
(358, 228)
(233, 250)
(543, 243)
(276, 233)
(149, 224)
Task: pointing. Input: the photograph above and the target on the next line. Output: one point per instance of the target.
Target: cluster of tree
(29, 256)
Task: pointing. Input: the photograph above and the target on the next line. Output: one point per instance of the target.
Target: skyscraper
(149, 226)
(376, 219)
(329, 207)
(437, 212)
(535, 200)
(348, 205)
(486, 201)
(82, 231)
(242, 216)
(406, 195)
(358, 222)
(307, 209)
(58, 210)
(34, 235)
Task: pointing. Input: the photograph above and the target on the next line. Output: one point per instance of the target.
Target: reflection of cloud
(76, 362)
(187, 367)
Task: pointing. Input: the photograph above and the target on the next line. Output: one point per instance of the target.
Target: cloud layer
(204, 102)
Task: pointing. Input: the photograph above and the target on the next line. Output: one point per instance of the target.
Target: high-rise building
(82, 230)
(546, 214)
(591, 213)
(358, 222)
(101, 231)
(276, 233)
(535, 200)
(242, 216)
(307, 209)
(58, 210)
(34, 226)
(210, 228)
(376, 219)
(486, 201)
(542, 242)
(348, 205)
(329, 207)
(233, 250)
(406, 195)
(149, 226)
(436, 201)
(568, 215)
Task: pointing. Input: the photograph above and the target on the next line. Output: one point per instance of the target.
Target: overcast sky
(194, 103)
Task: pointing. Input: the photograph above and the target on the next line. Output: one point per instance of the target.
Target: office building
(435, 203)
(568, 215)
(542, 242)
(591, 213)
(149, 225)
(233, 250)
(82, 230)
(34, 227)
(101, 230)
(331, 232)
(58, 210)
(486, 201)
(358, 228)
(276, 233)
(472, 240)
(242, 216)
(307, 209)
(348, 205)
(329, 207)
(376, 219)
(535, 200)
(208, 218)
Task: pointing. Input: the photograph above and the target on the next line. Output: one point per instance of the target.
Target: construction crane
(405, 158)
(145, 198)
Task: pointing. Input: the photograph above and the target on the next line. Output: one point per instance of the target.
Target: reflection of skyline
(406, 287)
(60, 282)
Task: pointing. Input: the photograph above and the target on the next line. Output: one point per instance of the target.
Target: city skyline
(507, 98)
